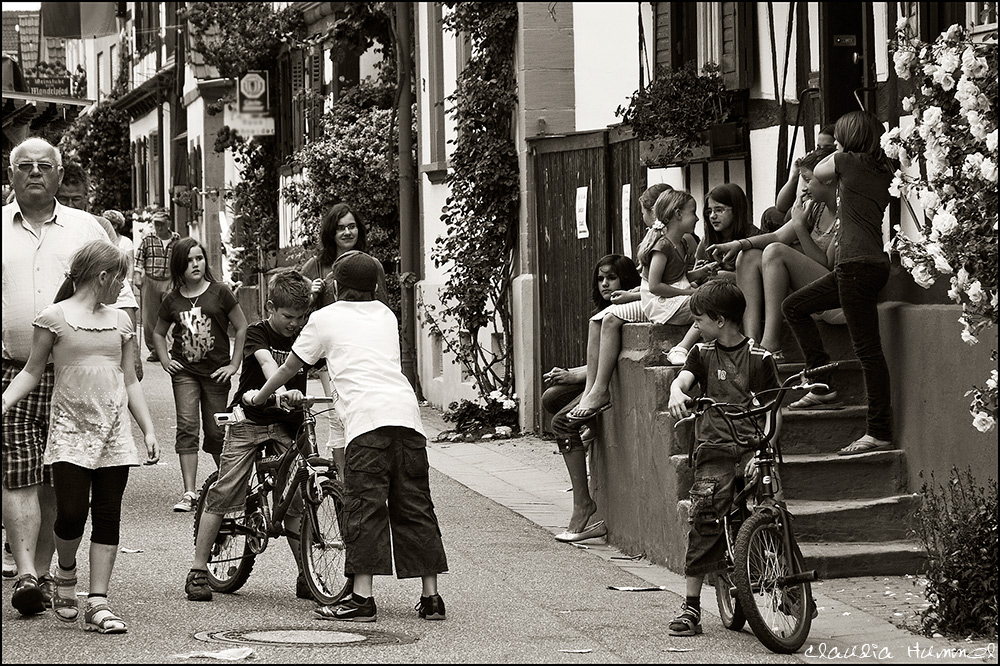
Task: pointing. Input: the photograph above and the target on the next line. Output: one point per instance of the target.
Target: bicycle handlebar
(733, 412)
(238, 415)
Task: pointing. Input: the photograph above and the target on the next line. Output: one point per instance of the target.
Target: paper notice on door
(581, 213)
(627, 220)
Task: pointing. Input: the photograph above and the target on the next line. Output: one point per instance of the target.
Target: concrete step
(848, 380)
(848, 560)
(822, 476)
(880, 519)
(821, 430)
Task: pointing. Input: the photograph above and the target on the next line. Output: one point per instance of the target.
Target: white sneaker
(677, 355)
(188, 502)
(9, 565)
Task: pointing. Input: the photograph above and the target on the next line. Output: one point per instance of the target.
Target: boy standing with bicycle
(268, 344)
(386, 480)
(730, 368)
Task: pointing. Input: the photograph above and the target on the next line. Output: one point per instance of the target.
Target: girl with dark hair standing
(200, 312)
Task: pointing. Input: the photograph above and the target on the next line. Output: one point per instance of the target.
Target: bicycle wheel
(321, 544)
(730, 610)
(780, 616)
(231, 559)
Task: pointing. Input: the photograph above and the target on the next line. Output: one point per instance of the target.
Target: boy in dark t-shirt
(268, 344)
(730, 368)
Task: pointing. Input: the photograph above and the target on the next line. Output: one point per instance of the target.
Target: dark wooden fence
(602, 161)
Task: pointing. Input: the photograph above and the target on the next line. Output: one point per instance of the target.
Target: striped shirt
(153, 258)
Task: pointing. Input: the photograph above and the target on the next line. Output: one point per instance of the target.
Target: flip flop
(866, 444)
(592, 531)
(588, 413)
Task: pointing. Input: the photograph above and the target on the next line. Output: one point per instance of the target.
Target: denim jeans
(229, 491)
(197, 397)
(853, 286)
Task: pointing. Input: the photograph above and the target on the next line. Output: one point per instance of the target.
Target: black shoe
(431, 608)
(350, 611)
(196, 586)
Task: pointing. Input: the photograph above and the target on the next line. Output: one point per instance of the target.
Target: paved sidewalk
(859, 618)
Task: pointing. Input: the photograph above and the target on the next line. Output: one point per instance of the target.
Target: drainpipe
(407, 198)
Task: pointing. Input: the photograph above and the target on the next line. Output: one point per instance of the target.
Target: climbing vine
(99, 141)
(481, 212)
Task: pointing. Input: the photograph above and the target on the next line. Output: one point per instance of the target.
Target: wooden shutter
(316, 87)
(664, 48)
(737, 42)
(298, 110)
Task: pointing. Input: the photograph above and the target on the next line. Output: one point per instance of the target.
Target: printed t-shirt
(201, 327)
(730, 374)
(360, 341)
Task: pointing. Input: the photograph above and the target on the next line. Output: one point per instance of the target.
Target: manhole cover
(303, 637)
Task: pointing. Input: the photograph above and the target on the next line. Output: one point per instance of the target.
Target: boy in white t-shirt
(386, 481)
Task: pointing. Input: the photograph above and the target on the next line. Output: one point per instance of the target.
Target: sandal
(688, 623)
(27, 597)
(64, 601)
(866, 444)
(102, 620)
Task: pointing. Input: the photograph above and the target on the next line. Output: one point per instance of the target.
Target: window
(437, 355)
(982, 17)
(435, 86)
(100, 76)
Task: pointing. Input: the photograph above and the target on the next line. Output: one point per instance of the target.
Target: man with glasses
(39, 238)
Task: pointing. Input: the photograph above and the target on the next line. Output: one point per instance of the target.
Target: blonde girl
(199, 311)
(90, 445)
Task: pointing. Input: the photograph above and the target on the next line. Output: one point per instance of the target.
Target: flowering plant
(949, 163)
(142, 222)
(495, 412)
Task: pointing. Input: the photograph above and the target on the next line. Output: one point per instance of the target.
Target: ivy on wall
(481, 212)
(99, 141)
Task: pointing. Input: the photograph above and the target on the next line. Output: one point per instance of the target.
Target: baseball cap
(356, 270)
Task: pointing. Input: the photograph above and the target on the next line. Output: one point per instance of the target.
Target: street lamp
(20, 55)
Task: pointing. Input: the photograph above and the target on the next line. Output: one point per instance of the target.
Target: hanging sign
(581, 213)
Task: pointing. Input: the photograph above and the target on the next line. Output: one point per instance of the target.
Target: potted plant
(673, 116)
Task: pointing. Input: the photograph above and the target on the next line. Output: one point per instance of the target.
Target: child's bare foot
(581, 516)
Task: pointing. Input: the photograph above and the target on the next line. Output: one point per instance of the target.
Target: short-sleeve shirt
(260, 335)
(200, 327)
(153, 255)
(35, 266)
(360, 341)
(679, 259)
(730, 374)
(862, 196)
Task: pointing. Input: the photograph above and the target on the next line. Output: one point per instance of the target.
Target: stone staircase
(852, 513)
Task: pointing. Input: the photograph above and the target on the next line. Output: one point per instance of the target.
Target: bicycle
(297, 474)
(765, 583)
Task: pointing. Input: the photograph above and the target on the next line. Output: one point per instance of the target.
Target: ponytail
(88, 263)
(65, 290)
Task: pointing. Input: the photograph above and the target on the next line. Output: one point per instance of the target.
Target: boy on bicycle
(267, 345)
(730, 368)
(386, 481)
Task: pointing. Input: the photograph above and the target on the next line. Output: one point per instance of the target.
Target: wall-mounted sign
(248, 124)
(253, 92)
(581, 213)
(58, 86)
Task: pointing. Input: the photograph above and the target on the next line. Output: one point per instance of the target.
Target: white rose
(932, 116)
(509, 404)
(962, 277)
(989, 170)
(890, 143)
(954, 33)
(902, 23)
(991, 383)
(968, 337)
(983, 422)
(922, 276)
(949, 60)
(991, 141)
(901, 63)
(937, 254)
(929, 68)
(944, 223)
(975, 292)
(967, 93)
(929, 199)
(894, 186)
(907, 104)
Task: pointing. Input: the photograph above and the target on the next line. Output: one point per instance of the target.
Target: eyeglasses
(347, 227)
(28, 167)
(719, 210)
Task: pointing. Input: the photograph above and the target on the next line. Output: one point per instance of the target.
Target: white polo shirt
(360, 341)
